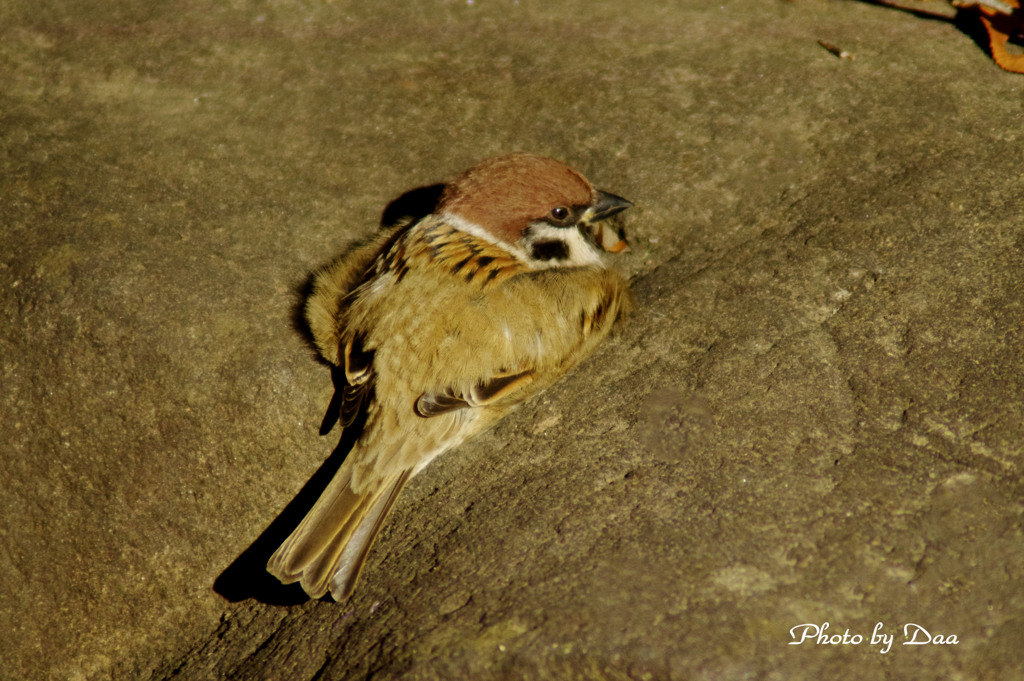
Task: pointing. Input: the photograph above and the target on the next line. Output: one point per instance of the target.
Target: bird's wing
(353, 383)
(359, 376)
(537, 349)
(478, 394)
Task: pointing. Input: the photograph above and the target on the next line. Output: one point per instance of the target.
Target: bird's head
(538, 208)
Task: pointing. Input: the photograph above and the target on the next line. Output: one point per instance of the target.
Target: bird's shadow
(247, 576)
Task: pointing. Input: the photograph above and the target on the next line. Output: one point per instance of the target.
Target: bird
(443, 325)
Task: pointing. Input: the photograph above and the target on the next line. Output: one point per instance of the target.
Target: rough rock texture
(814, 417)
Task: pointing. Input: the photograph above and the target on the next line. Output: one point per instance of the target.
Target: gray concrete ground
(814, 417)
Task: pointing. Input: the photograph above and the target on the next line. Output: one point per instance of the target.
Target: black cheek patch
(550, 250)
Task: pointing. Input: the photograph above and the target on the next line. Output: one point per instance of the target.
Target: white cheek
(581, 251)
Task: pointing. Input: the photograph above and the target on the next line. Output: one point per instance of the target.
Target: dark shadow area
(1010, 25)
(411, 207)
(247, 576)
(969, 23)
(302, 293)
(966, 21)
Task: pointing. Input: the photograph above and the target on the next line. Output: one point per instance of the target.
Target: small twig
(842, 54)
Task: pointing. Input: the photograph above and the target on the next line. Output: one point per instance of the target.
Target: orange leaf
(1000, 28)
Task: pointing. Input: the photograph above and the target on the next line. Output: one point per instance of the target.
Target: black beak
(607, 205)
(605, 235)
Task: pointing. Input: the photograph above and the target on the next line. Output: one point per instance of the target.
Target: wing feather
(479, 394)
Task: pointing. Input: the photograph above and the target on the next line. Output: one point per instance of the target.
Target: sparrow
(440, 327)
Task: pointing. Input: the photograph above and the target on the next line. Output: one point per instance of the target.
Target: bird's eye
(560, 213)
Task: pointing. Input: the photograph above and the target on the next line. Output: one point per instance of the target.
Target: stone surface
(814, 416)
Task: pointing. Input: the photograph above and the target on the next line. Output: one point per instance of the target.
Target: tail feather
(328, 548)
(354, 554)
